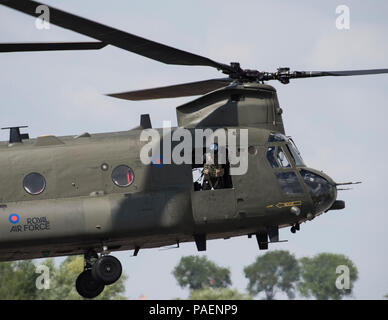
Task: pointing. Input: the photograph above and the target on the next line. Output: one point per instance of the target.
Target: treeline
(324, 276)
(275, 274)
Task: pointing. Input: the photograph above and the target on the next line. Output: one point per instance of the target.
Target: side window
(289, 182)
(122, 176)
(271, 157)
(282, 159)
(34, 183)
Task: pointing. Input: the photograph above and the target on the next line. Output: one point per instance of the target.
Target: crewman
(213, 172)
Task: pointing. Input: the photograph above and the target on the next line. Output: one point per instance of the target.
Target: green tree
(18, 281)
(319, 276)
(273, 272)
(218, 294)
(197, 272)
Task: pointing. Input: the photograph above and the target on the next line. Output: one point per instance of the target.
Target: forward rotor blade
(341, 73)
(284, 75)
(121, 39)
(47, 46)
(359, 72)
(174, 91)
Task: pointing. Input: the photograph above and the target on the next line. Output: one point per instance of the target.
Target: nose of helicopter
(322, 189)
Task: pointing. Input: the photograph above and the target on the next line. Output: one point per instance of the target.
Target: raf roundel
(14, 218)
(157, 162)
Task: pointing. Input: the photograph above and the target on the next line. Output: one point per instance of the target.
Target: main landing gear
(98, 273)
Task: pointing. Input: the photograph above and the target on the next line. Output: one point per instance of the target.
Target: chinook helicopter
(91, 194)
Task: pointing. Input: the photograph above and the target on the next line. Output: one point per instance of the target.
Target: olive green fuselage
(82, 208)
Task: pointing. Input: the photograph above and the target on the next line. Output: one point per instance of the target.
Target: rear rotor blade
(50, 46)
(174, 91)
(121, 39)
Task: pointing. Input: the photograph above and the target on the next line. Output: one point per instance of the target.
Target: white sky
(337, 123)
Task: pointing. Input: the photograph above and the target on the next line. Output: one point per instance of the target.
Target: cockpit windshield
(293, 150)
(295, 153)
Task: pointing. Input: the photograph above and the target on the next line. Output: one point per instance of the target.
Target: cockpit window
(271, 157)
(295, 154)
(289, 182)
(276, 137)
(282, 159)
(322, 192)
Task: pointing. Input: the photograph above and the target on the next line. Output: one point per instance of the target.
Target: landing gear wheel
(87, 286)
(107, 270)
(293, 229)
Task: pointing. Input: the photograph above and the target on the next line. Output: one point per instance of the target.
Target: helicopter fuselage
(80, 207)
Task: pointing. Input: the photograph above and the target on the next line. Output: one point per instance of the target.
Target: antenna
(14, 134)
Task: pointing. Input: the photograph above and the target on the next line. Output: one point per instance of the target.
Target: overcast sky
(338, 123)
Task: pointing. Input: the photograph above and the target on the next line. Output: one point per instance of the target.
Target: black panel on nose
(322, 192)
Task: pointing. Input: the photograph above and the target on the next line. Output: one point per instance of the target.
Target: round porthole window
(122, 176)
(252, 150)
(34, 183)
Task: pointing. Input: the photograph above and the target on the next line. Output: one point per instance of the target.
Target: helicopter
(91, 194)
